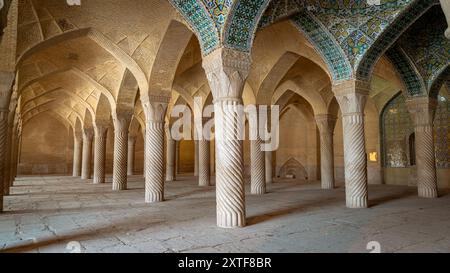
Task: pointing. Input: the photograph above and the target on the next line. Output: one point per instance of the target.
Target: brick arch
(98, 38)
(200, 21)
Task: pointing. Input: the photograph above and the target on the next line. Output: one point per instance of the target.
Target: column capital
(122, 120)
(100, 129)
(88, 133)
(155, 108)
(132, 139)
(227, 70)
(422, 110)
(352, 96)
(326, 123)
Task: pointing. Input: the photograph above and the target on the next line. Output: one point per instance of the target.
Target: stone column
(7, 170)
(227, 71)
(196, 159)
(18, 139)
(131, 154)
(6, 82)
(121, 126)
(269, 167)
(155, 111)
(258, 167)
(204, 174)
(170, 167)
(445, 4)
(352, 96)
(326, 124)
(88, 135)
(77, 154)
(422, 110)
(100, 153)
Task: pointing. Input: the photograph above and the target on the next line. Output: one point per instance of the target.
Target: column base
(99, 180)
(119, 187)
(230, 220)
(357, 203)
(154, 198)
(428, 193)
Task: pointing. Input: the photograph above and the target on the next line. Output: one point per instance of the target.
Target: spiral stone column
(170, 167)
(258, 167)
(326, 124)
(268, 167)
(352, 96)
(155, 110)
(6, 82)
(422, 110)
(100, 154)
(227, 70)
(88, 135)
(77, 154)
(121, 126)
(196, 159)
(204, 173)
(7, 169)
(131, 154)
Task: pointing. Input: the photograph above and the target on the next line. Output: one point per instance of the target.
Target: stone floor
(45, 214)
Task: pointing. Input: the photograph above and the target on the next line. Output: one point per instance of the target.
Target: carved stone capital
(100, 130)
(88, 134)
(227, 70)
(422, 110)
(326, 123)
(122, 121)
(155, 109)
(352, 96)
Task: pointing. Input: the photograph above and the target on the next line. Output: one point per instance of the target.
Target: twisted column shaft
(121, 126)
(87, 156)
(170, 167)
(268, 167)
(7, 167)
(196, 159)
(155, 110)
(154, 178)
(100, 154)
(355, 161)
(229, 166)
(3, 134)
(422, 111)
(258, 168)
(204, 179)
(326, 125)
(131, 154)
(77, 155)
(352, 96)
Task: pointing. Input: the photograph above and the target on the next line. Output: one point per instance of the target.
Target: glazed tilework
(397, 127)
(200, 20)
(243, 23)
(427, 46)
(411, 78)
(442, 132)
(325, 45)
